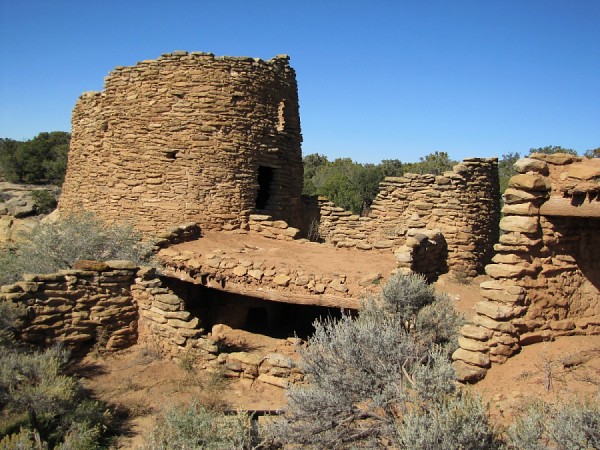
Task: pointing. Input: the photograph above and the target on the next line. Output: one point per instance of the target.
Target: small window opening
(265, 177)
(172, 154)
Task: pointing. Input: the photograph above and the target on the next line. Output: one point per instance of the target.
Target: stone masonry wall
(462, 205)
(89, 305)
(181, 139)
(546, 272)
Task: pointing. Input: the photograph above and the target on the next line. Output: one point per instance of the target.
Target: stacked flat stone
(266, 226)
(91, 304)
(463, 204)
(163, 318)
(543, 282)
(181, 139)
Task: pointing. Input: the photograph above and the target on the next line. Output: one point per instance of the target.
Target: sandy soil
(139, 382)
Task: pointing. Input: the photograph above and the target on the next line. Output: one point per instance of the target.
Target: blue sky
(377, 79)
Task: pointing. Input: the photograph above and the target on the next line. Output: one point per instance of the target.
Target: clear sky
(377, 79)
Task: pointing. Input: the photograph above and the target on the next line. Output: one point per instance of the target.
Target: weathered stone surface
(495, 310)
(472, 345)
(468, 373)
(240, 271)
(273, 381)
(525, 165)
(529, 182)
(250, 359)
(476, 332)
(491, 324)
(504, 270)
(583, 172)
(96, 266)
(555, 158)
(281, 280)
(473, 358)
(522, 224)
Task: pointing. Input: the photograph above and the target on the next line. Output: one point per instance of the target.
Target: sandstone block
(467, 373)
(522, 224)
(504, 270)
(529, 182)
(240, 271)
(170, 299)
(495, 310)
(491, 324)
(176, 323)
(558, 159)
(474, 358)
(281, 280)
(338, 286)
(472, 345)
(476, 332)
(272, 380)
(279, 360)
(256, 274)
(525, 165)
(245, 358)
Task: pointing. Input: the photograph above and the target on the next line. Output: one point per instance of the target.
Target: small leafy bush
(54, 246)
(45, 201)
(195, 427)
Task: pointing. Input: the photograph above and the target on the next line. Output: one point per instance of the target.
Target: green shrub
(198, 428)
(366, 373)
(54, 246)
(45, 201)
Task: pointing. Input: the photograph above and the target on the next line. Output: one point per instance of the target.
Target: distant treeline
(41, 160)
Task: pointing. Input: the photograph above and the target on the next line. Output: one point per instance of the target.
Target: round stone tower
(188, 137)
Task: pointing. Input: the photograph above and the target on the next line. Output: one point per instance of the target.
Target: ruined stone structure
(546, 272)
(423, 217)
(115, 304)
(188, 137)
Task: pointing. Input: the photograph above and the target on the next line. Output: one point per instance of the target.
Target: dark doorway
(265, 177)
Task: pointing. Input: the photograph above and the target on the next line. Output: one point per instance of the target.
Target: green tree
(506, 169)
(435, 163)
(391, 167)
(312, 163)
(42, 159)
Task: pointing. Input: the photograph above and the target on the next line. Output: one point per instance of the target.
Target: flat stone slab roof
(299, 272)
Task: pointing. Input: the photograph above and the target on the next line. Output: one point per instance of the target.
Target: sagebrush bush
(39, 402)
(567, 425)
(366, 373)
(53, 246)
(195, 427)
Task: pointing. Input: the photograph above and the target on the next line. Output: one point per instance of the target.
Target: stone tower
(188, 137)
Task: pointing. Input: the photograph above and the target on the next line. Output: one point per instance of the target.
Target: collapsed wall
(458, 211)
(188, 137)
(546, 272)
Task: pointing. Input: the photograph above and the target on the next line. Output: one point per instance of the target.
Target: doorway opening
(265, 179)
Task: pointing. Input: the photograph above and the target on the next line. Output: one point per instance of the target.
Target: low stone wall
(462, 204)
(89, 305)
(546, 273)
(115, 304)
